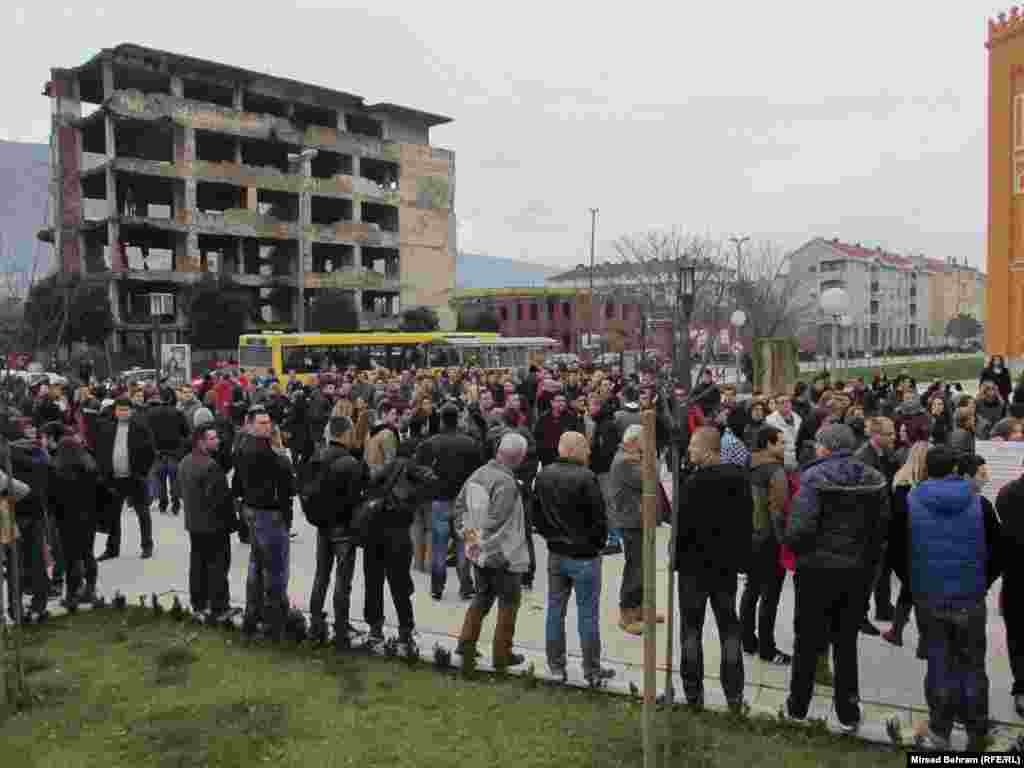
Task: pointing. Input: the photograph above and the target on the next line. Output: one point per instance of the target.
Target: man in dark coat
(209, 519)
(339, 485)
(571, 516)
(453, 456)
(170, 431)
(124, 452)
(836, 529)
(712, 546)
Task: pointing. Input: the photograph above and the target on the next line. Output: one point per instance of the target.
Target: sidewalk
(890, 678)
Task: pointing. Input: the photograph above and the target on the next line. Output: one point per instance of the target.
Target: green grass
(127, 689)
(959, 369)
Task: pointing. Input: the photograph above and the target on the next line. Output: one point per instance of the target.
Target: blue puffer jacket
(947, 542)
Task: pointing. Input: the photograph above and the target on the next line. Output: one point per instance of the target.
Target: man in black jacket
(571, 516)
(1010, 507)
(170, 439)
(209, 518)
(124, 452)
(339, 487)
(454, 457)
(838, 522)
(606, 439)
(877, 454)
(264, 482)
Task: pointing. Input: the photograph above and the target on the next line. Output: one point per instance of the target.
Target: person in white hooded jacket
(787, 421)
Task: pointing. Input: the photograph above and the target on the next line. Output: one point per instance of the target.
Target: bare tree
(651, 275)
(766, 292)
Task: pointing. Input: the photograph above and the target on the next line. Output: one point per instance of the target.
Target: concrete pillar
(177, 87)
(114, 293)
(357, 299)
(238, 151)
(113, 214)
(107, 68)
(238, 98)
(191, 255)
(305, 249)
(184, 144)
(355, 166)
(341, 122)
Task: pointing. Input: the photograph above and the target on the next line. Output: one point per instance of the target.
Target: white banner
(1005, 461)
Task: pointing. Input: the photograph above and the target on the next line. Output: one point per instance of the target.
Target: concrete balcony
(352, 232)
(353, 278)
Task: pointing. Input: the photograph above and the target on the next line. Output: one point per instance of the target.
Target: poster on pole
(176, 364)
(1005, 461)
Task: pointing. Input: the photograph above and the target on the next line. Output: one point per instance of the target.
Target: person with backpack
(387, 547)
(454, 456)
(331, 486)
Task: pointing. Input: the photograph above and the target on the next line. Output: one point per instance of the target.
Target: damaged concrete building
(188, 167)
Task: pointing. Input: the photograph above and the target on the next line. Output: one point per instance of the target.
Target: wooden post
(650, 509)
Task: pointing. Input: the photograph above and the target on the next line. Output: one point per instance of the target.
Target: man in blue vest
(949, 576)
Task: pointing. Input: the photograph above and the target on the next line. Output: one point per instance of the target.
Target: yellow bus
(303, 355)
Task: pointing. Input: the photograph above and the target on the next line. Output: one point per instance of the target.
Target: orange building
(1004, 317)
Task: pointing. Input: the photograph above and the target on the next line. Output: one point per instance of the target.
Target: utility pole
(593, 233)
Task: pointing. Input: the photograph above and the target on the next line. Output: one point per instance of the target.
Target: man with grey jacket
(490, 519)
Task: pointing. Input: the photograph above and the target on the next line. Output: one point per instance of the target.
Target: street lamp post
(680, 415)
(738, 320)
(593, 234)
(835, 302)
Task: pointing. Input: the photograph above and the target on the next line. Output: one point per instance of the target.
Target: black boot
(318, 629)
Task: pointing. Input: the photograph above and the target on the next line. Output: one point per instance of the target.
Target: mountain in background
(24, 180)
(477, 270)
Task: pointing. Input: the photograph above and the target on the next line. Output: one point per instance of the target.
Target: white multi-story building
(889, 295)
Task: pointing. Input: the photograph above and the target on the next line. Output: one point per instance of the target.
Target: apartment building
(167, 167)
(889, 294)
(956, 289)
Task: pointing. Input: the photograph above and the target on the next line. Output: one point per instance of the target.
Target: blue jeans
(164, 471)
(266, 586)
(956, 682)
(565, 573)
(440, 512)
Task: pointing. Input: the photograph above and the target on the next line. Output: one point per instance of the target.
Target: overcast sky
(780, 120)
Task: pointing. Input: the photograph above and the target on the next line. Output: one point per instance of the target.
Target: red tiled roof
(860, 252)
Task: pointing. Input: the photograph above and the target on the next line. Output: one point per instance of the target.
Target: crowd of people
(844, 485)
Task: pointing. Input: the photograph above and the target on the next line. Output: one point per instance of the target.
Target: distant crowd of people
(841, 484)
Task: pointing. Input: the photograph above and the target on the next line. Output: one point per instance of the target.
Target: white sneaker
(932, 741)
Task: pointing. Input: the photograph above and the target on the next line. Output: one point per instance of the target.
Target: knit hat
(836, 437)
(201, 416)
